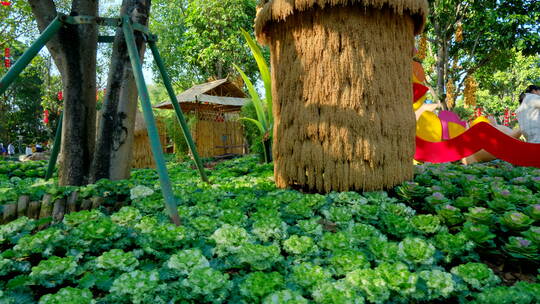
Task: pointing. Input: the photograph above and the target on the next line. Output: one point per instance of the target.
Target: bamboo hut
(341, 77)
(142, 153)
(217, 106)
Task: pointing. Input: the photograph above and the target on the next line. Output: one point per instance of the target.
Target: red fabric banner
(481, 136)
(419, 91)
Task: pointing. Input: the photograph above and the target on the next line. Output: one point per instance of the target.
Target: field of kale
(456, 234)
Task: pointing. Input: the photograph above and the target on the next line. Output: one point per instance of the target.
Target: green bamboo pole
(56, 148)
(166, 188)
(29, 54)
(177, 109)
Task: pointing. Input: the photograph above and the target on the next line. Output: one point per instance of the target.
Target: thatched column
(341, 72)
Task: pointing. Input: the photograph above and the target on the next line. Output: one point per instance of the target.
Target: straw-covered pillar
(342, 91)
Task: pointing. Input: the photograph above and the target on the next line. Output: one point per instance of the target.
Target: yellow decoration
(480, 119)
(422, 48)
(459, 33)
(429, 127)
(450, 93)
(455, 130)
(470, 92)
(419, 103)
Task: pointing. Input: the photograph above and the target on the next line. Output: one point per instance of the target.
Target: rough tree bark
(74, 53)
(113, 153)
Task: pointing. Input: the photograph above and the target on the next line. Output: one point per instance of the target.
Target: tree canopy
(201, 39)
(467, 35)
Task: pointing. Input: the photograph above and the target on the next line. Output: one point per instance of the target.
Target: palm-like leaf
(257, 123)
(259, 108)
(264, 70)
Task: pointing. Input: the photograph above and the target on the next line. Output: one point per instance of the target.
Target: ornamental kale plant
(300, 245)
(455, 234)
(68, 295)
(515, 221)
(416, 251)
(54, 271)
(258, 285)
(187, 260)
(476, 275)
(117, 259)
(426, 223)
(137, 286)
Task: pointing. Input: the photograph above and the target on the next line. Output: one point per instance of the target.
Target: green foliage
(493, 33)
(21, 109)
(42, 242)
(68, 295)
(519, 247)
(500, 88)
(336, 293)
(229, 239)
(308, 275)
(426, 223)
(263, 107)
(208, 285)
(267, 228)
(186, 260)
(438, 284)
(299, 245)
(416, 251)
(285, 296)
(344, 262)
(257, 285)
(516, 221)
(137, 286)
(54, 271)
(117, 259)
(201, 38)
(372, 285)
(244, 241)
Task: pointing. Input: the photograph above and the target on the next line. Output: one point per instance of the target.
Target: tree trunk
(74, 53)
(114, 141)
(440, 73)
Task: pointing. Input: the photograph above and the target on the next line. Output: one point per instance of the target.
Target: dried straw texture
(215, 138)
(270, 11)
(142, 156)
(342, 99)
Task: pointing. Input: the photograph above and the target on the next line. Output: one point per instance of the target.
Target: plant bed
(29, 196)
(244, 241)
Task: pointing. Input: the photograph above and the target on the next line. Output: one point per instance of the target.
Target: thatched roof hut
(217, 106)
(342, 99)
(220, 95)
(142, 153)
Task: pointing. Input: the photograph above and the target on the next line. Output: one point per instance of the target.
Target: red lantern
(479, 112)
(506, 117)
(60, 95)
(46, 117)
(7, 54)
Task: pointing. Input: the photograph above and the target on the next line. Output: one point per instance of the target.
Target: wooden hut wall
(142, 153)
(208, 137)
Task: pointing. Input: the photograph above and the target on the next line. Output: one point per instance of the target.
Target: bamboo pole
(166, 188)
(177, 109)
